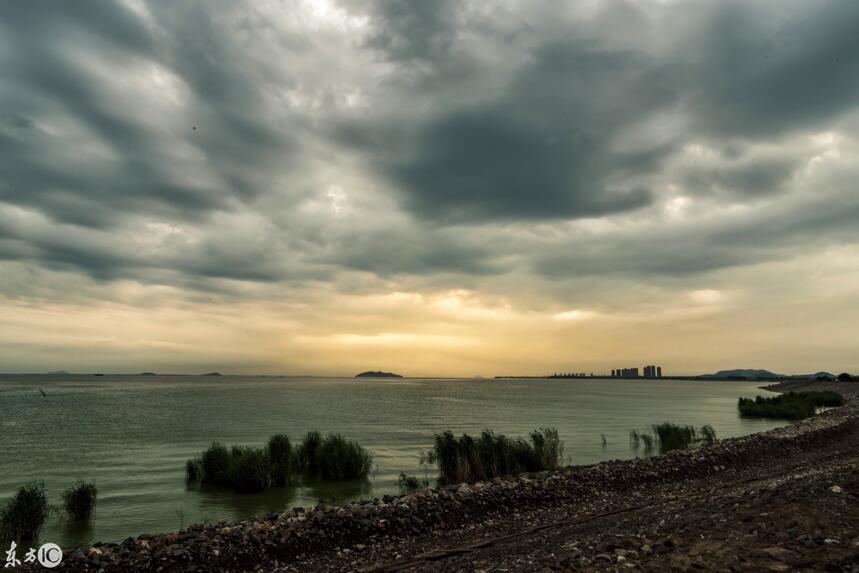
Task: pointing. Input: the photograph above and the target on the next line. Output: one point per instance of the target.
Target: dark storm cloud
(548, 144)
(48, 56)
(181, 141)
(764, 68)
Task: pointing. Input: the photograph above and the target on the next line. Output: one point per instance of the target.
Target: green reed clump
(194, 470)
(250, 470)
(469, 459)
(245, 469)
(23, 516)
(668, 436)
(673, 436)
(707, 435)
(280, 456)
(789, 406)
(79, 500)
(332, 457)
(216, 465)
(409, 483)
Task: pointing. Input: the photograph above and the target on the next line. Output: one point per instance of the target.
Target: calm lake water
(133, 434)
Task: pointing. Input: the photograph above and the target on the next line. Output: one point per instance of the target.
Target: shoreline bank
(363, 530)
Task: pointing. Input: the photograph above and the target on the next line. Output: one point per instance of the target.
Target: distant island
(213, 374)
(147, 374)
(377, 374)
(58, 373)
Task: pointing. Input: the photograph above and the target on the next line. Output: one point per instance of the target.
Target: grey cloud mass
(172, 142)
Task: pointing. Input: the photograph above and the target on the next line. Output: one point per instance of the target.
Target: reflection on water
(132, 435)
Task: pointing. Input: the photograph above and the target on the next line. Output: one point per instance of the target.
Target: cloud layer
(535, 159)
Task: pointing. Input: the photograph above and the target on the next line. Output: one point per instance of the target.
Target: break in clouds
(546, 156)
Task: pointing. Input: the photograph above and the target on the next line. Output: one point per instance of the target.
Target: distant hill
(213, 374)
(744, 373)
(58, 373)
(147, 374)
(760, 374)
(377, 374)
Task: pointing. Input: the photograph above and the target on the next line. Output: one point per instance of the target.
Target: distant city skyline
(433, 188)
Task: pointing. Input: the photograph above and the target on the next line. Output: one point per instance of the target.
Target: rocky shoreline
(356, 530)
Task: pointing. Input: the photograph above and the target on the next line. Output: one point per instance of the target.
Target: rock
(782, 554)
(836, 489)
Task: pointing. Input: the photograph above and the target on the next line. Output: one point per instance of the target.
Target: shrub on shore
(79, 500)
(468, 459)
(332, 457)
(24, 515)
(789, 406)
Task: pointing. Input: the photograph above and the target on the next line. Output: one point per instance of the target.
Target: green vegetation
(790, 406)
(247, 470)
(468, 459)
(409, 483)
(250, 470)
(194, 470)
(23, 516)
(667, 436)
(79, 500)
(332, 457)
(280, 457)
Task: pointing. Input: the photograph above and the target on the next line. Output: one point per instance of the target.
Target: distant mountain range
(760, 374)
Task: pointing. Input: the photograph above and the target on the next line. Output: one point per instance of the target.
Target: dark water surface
(133, 434)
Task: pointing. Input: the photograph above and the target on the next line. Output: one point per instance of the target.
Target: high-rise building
(659, 371)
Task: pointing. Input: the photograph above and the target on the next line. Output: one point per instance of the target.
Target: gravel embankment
(543, 512)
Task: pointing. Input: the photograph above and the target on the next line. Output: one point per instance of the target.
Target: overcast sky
(433, 187)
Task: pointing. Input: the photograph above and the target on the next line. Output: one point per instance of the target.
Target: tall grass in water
(23, 516)
(667, 436)
(280, 456)
(243, 469)
(332, 457)
(468, 459)
(789, 406)
(79, 500)
(250, 470)
(673, 437)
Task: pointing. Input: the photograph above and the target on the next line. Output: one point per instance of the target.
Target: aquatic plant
(194, 470)
(649, 442)
(409, 483)
(707, 435)
(216, 465)
(673, 436)
(79, 500)
(332, 457)
(668, 436)
(246, 469)
(634, 439)
(280, 455)
(23, 516)
(789, 406)
(250, 470)
(468, 459)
